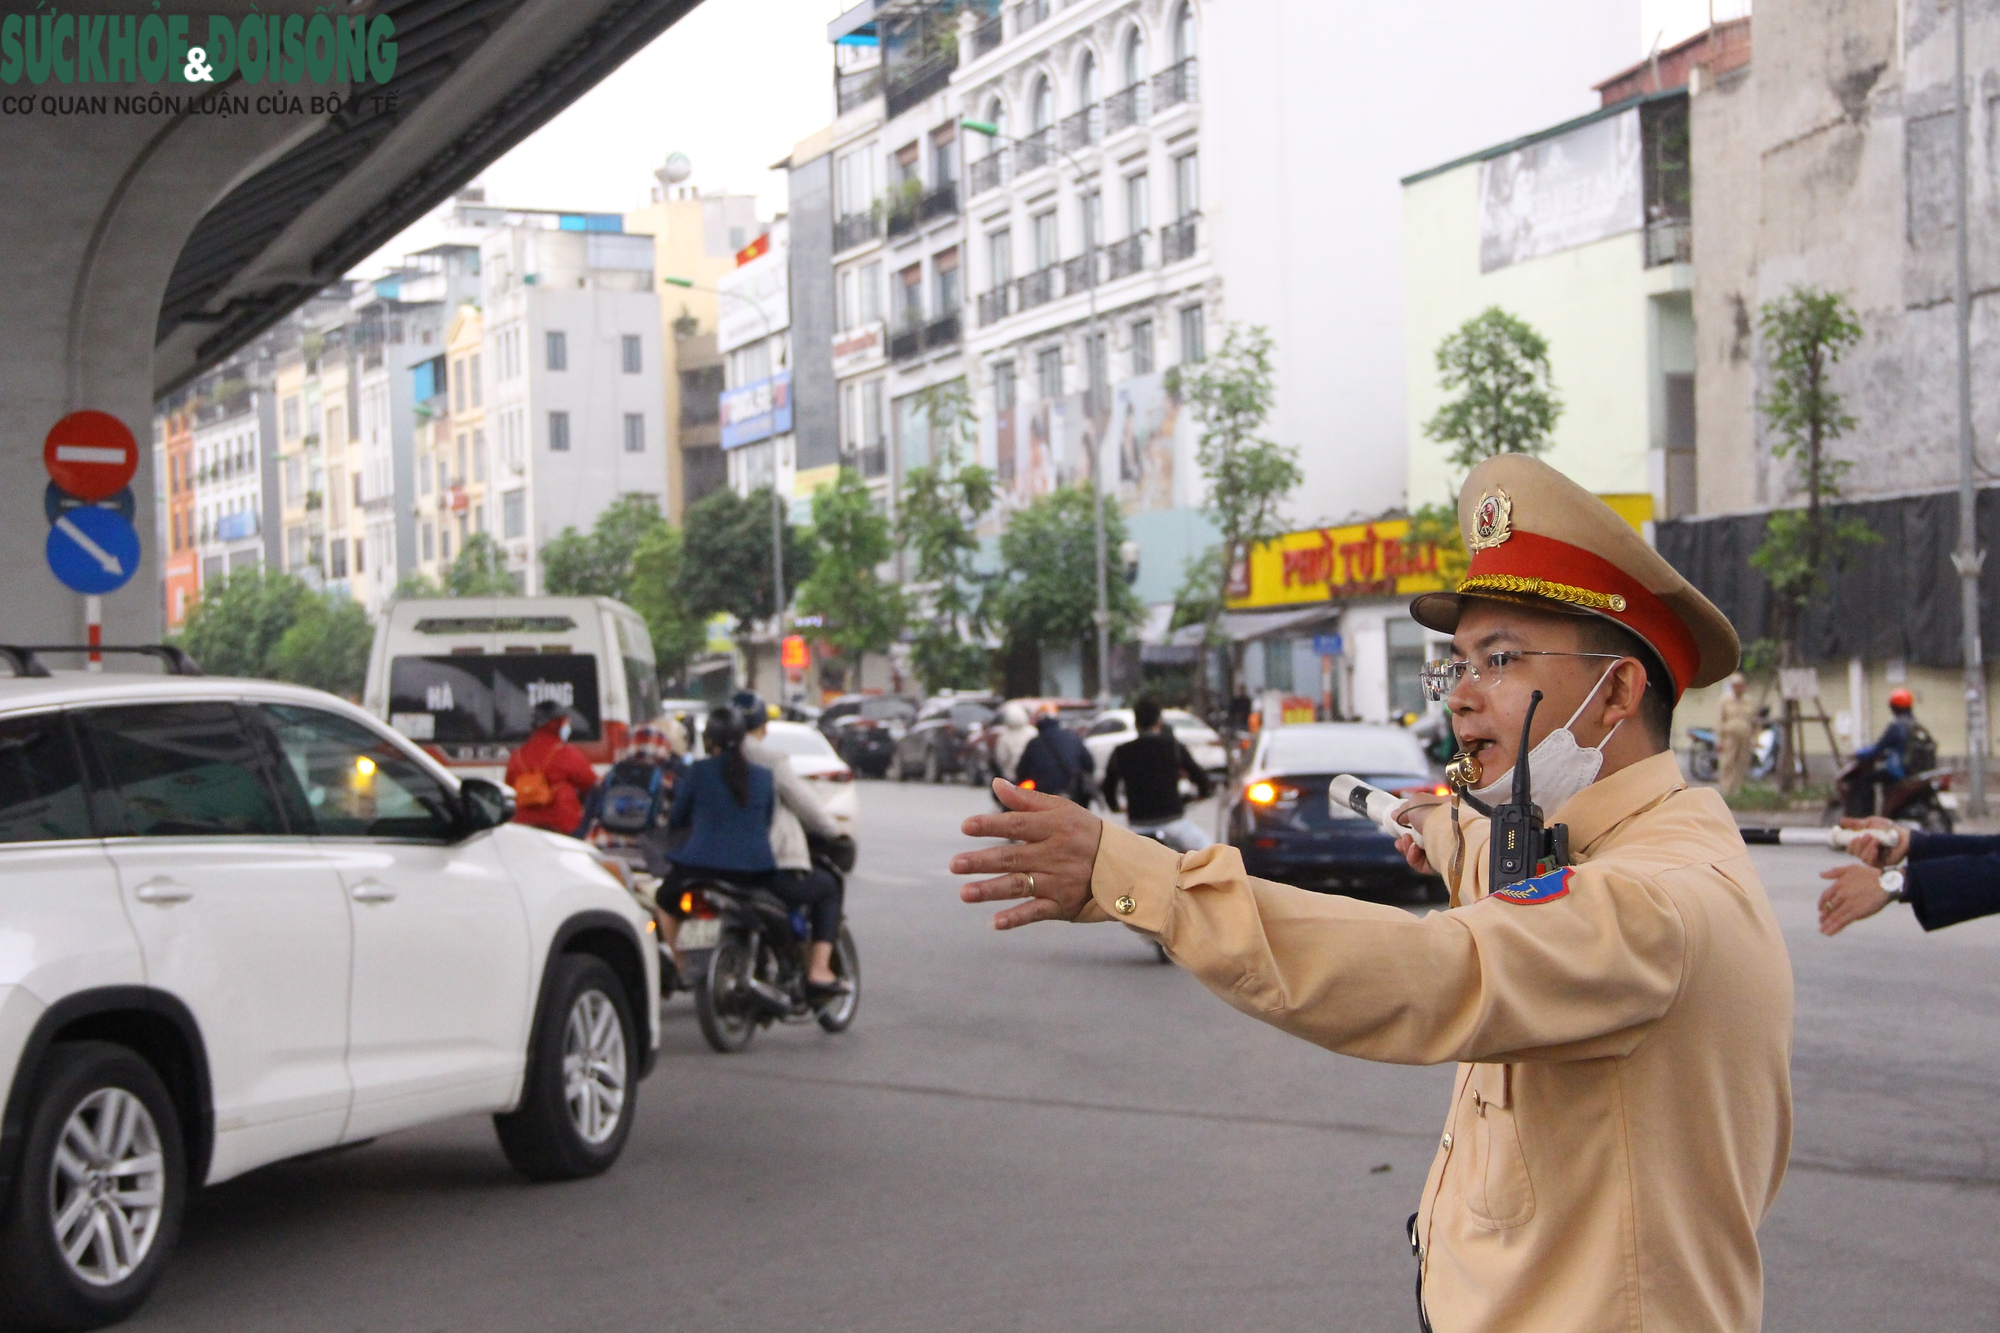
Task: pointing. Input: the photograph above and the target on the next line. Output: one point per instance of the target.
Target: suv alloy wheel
(97, 1203)
(578, 1098)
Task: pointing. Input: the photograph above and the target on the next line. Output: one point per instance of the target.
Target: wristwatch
(1892, 884)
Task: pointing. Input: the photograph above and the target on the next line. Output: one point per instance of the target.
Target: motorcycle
(1917, 800)
(1705, 753)
(755, 975)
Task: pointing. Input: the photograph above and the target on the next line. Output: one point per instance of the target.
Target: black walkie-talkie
(1521, 848)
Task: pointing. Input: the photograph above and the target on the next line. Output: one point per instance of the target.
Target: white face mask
(564, 731)
(1558, 768)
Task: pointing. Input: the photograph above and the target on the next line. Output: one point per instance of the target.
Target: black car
(864, 728)
(1279, 820)
(938, 744)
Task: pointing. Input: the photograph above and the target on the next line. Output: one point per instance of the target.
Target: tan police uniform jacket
(1622, 1112)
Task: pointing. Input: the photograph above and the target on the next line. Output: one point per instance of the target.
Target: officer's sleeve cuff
(1134, 880)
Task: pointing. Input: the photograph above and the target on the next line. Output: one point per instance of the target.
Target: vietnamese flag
(760, 246)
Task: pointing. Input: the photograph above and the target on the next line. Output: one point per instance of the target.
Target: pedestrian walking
(1735, 734)
(1622, 1024)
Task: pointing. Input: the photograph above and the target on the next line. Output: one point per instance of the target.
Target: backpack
(1920, 755)
(531, 789)
(633, 792)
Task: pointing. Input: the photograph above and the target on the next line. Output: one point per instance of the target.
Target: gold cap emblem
(1492, 521)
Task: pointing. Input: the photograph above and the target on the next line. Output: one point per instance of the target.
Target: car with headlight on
(1280, 821)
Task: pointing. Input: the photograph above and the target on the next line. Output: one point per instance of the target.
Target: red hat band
(1528, 564)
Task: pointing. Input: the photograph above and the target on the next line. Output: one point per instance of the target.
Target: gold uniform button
(1447, 1143)
(1125, 905)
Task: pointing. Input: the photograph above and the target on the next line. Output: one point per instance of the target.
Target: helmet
(751, 707)
(1902, 700)
(547, 711)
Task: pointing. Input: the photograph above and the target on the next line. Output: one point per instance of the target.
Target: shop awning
(1248, 626)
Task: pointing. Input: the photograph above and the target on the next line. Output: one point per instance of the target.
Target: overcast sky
(734, 85)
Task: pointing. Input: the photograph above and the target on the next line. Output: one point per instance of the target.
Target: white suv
(241, 921)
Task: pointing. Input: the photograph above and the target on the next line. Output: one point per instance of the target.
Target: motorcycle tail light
(695, 905)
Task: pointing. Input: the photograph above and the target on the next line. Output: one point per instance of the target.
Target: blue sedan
(1279, 820)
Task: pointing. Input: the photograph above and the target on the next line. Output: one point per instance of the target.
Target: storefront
(1324, 614)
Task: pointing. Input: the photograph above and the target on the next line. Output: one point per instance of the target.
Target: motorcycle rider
(1150, 767)
(1735, 734)
(799, 882)
(1015, 733)
(1891, 753)
(1055, 760)
(550, 777)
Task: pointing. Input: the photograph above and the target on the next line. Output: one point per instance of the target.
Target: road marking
(88, 453)
(90, 548)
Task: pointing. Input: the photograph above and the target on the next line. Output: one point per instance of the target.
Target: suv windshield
(462, 698)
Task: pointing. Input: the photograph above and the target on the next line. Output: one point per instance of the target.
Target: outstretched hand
(1048, 863)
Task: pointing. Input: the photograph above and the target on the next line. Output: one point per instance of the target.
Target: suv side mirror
(482, 805)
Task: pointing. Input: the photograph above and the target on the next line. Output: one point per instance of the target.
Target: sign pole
(93, 625)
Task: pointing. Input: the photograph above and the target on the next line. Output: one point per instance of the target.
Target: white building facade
(575, 404)
(753, 321)
(233, 441)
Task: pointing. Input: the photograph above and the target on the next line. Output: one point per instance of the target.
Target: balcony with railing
(995, 305)
(856, 229)
(1174, 84)
(902, 214)
(872, 460)
(1669, 241)
(913, 83)
(1124, 258)
(1037, 288)
(1082, 129)
(939, 203)
(988, 173)
(1177, 239)
(1037, 148)
(944, 331)
(855, 87)
(1124, 108)
(987, 36)
(1080, 273)
(906, 342)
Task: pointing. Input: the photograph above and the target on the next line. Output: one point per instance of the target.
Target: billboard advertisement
(1562, 192)
(757, 411)
(755, 299)
(1035, 447)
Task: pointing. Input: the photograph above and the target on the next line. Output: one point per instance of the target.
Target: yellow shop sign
(1334, 564)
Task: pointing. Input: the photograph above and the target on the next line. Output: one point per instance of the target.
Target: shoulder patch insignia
(1541, 889)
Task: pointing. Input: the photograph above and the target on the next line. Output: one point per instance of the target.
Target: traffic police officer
(1622, 1112)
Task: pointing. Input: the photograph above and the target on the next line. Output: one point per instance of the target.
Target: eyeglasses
(1441, 677)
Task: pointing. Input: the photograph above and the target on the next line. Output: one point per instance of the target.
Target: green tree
(1047, 591)
(326, 648)
(233, 628)
(938, 524)
(1805, 332)
(858, 612)
(599, 563)
(653, 589)
(1507, 402)
(1249, 477)
(727, 568)
(481, 570)
(414, 585)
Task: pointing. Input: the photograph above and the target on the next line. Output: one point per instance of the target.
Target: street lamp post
(777, 506)
(1090, 337)
(1968, 558)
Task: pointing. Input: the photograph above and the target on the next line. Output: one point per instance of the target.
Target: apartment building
(897, 160)
(173, 434)
(573, 357)
(696, 237)
(232, 440)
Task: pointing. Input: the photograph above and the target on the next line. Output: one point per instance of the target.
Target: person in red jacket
(550, 777)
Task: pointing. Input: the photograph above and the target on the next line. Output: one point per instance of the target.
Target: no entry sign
(91, 455)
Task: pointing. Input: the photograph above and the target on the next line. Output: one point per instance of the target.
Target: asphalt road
(1049, 1130)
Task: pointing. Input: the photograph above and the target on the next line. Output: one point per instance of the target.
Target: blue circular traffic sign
(93, 550)
(56, 502)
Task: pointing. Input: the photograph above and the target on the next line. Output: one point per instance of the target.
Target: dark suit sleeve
(1953, 878)
(1112, 776)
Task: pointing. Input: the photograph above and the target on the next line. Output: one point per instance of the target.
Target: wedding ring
(1031, 883)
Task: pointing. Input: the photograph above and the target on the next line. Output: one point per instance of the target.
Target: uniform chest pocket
(1498, 1192)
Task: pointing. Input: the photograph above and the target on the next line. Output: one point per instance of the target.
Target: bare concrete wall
(1829, 164)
